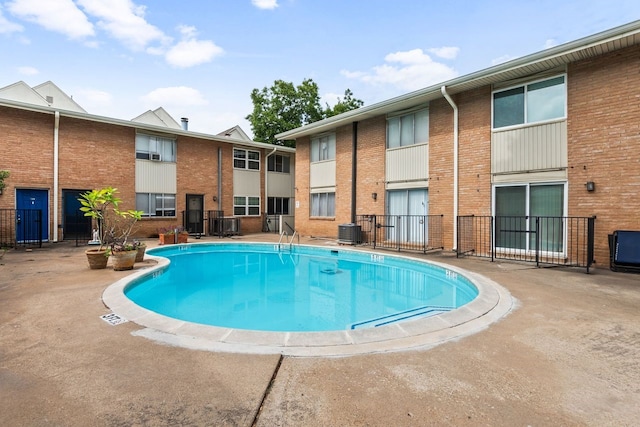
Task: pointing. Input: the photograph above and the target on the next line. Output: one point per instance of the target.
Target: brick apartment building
(54, 150)
(555, 133)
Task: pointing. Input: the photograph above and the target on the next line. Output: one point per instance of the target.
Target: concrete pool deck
(568, 355)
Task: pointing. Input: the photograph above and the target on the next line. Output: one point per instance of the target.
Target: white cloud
(550, 43)
(7, 27)
(446, 52)
(28, 71)
(190, 51)
(265, 4)
(124, 21)
(61, 16)
(179, 96)
(408, 70)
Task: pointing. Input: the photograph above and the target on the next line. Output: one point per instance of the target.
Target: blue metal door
(32, 225)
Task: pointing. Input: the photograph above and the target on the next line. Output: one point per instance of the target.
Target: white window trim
(246, 159)
(526, 124)
(246, 205)
(319, 136)
(311, 204)
(409, 112)
(175, 208)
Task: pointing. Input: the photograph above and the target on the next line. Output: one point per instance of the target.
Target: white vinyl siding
(532, 148)
(407, 164)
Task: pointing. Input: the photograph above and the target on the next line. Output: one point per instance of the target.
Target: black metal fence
(77, 227)
(402, 232)
(221, 226)
(21, 227)
(566, 241)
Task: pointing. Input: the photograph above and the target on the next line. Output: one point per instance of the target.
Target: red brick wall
(604, 143)
(372, 140)
(26, 151)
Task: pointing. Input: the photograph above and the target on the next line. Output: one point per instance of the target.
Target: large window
(278, 163)
(323, 148)
(150, 147)
(535, 102)
(278, 206)
(530, 216)
(156, 204)
(246, 206)
(323, 204)
(408, 129)
(246, 159)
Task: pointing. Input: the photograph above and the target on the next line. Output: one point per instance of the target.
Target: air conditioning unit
(155, 157)
(349, 234)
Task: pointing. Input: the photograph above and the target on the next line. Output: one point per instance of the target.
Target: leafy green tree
(283, 107)
(343, 105)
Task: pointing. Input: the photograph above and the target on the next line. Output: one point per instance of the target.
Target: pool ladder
(284, 234)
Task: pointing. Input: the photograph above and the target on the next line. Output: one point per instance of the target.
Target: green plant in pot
(114, 226)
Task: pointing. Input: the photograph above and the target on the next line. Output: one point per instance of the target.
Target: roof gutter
(456, 141)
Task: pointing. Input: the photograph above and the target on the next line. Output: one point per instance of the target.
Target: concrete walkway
(569, 355)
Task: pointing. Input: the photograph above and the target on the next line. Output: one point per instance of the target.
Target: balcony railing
(402, 232)
(566, 241)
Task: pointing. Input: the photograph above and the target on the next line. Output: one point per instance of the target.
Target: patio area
(568, 354)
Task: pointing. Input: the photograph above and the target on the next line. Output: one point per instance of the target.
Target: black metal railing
(193, 222)
(21, 227)
(567, 241)
(401, 232)
(77, 227)
(221, 226)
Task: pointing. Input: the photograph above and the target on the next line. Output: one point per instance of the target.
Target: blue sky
(201, 58)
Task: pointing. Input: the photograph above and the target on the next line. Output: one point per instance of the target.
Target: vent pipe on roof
(185, 123)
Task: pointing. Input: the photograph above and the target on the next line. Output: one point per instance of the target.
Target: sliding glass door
(407, 210)
(530, 217)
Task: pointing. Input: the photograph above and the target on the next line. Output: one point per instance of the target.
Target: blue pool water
(258, 287)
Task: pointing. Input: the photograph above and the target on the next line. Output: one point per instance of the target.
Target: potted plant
(113, 226)
(172, 234)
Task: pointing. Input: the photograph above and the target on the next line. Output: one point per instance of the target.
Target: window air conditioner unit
(155, 157)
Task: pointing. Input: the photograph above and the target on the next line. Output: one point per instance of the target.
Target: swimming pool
(299, 289)
(492, 303)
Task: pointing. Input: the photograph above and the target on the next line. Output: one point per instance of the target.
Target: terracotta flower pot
(183, 237)
(123, 260)
(167, 238)
(97, 258)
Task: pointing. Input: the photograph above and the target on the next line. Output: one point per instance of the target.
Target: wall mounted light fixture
(374, 196)
(591, 186)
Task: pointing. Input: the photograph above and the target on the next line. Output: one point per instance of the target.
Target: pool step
(414, 313)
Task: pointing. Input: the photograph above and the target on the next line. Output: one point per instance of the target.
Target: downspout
(266, 179)
(354, 170)
(456, 141)
(219, 178)
(56, 146)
